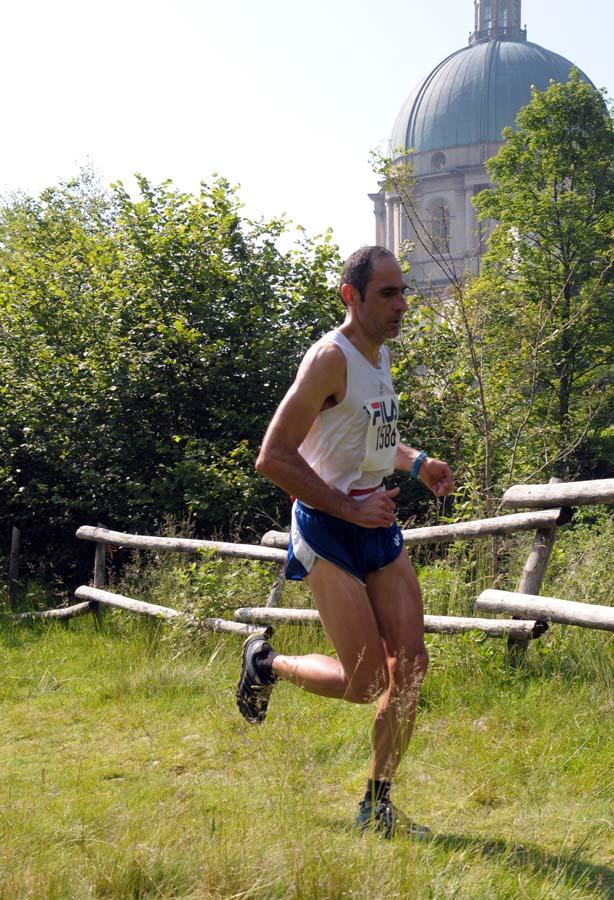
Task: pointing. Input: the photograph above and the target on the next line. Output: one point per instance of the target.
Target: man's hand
(437, 476)
(375, 511)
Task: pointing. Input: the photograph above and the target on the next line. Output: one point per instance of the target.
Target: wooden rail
(576, 493)
(548, 609)
(62, 613)
(180, 545)
(265, 615)
(106, 598)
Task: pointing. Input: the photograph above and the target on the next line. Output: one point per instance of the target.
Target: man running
(330, 444)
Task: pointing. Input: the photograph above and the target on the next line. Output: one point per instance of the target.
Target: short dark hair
(358, 267)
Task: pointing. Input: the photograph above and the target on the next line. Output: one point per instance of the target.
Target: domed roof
(473, 94)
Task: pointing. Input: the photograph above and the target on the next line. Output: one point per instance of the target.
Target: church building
(452, 121)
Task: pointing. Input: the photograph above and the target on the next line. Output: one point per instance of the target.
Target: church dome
(473, 94)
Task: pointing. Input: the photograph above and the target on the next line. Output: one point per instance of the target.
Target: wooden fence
(529, 614)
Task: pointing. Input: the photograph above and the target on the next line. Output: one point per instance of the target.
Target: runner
(330, 444)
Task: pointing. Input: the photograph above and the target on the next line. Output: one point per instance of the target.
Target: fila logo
(382, 411)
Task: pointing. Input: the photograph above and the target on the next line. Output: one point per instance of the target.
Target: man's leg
(396, 601)
(378, 634)
(359, 674)
(390, 654)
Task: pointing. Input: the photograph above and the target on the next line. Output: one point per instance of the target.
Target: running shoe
(384, 818)
(253, 690)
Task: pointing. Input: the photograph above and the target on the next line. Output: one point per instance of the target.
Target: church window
(438, 160)
(440, 226)
(488, 14)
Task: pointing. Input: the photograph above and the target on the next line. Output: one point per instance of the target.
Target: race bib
(382, 437)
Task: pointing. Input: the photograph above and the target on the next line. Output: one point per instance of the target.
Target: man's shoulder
(325, 352)
(324, 364)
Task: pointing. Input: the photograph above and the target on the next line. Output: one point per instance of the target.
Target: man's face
(384, 305)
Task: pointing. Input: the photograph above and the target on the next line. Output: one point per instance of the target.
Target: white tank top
(353, 445)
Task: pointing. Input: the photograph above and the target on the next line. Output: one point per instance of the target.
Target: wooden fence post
(14, 566)
(278, 586)
(100, 576)
(531, 582)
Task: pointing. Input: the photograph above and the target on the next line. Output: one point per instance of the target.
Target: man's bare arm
(320, 378)
(435, 474)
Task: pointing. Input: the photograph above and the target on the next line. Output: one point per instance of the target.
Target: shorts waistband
(362, 492)
(355, 492)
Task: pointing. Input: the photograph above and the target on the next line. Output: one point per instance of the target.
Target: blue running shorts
(353, 548)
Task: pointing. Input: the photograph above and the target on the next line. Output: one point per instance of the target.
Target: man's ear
(349, 294)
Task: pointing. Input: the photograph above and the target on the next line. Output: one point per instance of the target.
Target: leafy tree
(143, 347)
(549, 265)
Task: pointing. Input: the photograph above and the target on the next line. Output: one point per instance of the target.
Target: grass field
(127, 771)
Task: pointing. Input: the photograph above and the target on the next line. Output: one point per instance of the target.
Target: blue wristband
(415, 469)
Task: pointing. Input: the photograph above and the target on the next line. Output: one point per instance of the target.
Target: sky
(285, 99)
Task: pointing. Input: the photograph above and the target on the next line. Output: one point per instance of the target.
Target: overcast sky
(284, 98)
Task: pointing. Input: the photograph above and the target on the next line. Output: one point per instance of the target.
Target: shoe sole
(243, 705)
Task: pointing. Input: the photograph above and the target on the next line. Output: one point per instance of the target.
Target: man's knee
(365, 687)
(408, 669)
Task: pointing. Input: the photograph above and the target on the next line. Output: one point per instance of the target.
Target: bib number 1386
(385, 436)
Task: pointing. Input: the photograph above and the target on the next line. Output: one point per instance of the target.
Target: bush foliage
(144, 344)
